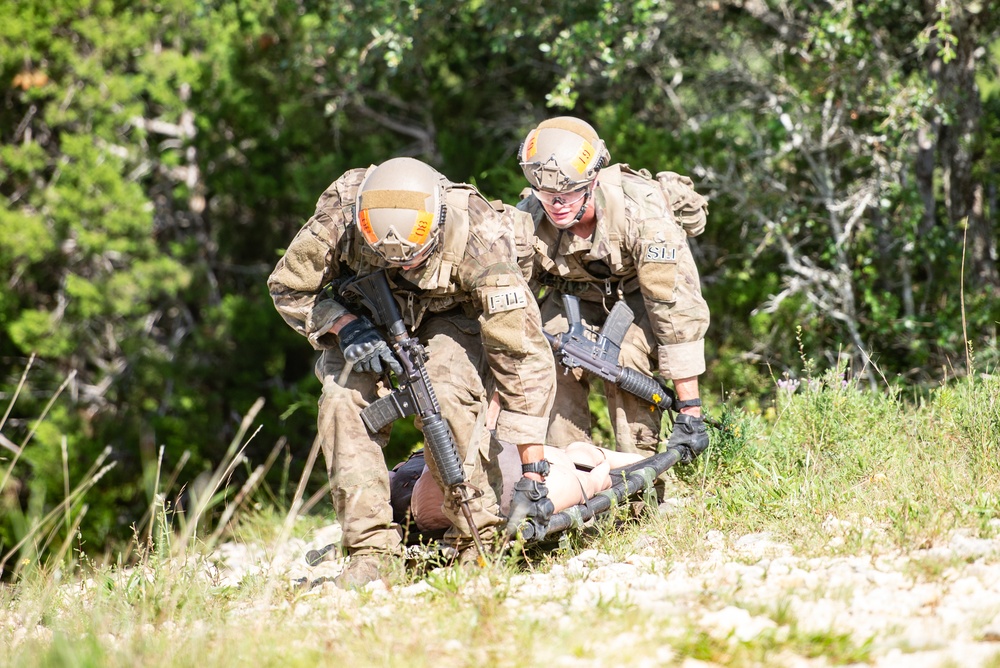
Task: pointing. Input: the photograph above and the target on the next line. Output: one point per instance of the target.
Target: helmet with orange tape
(562, 154)
(400, 209)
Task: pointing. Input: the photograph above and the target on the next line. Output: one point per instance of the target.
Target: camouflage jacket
(484, 282)
(638, 244)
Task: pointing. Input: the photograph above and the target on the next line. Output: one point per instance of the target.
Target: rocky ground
(937, 606)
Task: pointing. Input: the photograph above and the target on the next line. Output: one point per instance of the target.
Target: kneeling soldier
(451, 261)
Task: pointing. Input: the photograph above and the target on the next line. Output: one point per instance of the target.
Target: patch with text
(661, 253)
(505, 299)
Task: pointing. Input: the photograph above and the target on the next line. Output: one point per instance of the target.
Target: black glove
(689, 433)
(530, 504)
(365, 348)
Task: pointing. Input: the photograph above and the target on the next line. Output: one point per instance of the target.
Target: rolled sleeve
(517, 352)
(324, 313)
(523, 366)
(682, 360)
(521, 429)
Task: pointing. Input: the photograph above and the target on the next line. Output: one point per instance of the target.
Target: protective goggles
(565, 199)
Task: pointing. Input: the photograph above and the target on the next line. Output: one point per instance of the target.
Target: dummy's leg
(591, 456)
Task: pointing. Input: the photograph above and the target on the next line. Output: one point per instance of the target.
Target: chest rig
(598, 273)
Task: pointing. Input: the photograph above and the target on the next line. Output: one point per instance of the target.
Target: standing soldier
(450, 258)
(604, 233)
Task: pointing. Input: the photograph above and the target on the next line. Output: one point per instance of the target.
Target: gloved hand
(365, 348)
(530, 504)
(688, 433)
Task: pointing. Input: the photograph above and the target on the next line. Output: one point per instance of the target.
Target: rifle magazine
(387, 410)
(616, 326)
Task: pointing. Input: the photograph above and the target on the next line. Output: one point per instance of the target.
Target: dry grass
(836, 471)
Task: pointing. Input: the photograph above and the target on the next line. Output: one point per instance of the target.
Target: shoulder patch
(498, 300)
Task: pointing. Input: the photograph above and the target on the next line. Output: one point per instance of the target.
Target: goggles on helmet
(562, 153)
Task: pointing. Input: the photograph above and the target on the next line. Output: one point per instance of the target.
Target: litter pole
(626, 482)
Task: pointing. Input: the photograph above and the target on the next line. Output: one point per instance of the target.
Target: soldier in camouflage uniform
(451, 260)
(606, 232)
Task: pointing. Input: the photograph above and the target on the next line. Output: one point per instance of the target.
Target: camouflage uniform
(638, 252)
(473, 312)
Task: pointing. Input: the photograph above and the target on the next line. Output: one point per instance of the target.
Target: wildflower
(788, 384)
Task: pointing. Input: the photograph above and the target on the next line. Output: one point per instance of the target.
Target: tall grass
(42, 550)
(905, 471)
(891, 472)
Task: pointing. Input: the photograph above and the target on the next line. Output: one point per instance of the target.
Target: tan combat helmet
(400, 209)
(562, 154)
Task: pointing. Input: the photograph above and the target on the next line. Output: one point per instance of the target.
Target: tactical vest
(439, 280)
(609, 273)
(456, 235)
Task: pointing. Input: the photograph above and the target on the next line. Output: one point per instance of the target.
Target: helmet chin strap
(583, 209)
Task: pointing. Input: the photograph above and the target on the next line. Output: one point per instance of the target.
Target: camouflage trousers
(636, 427)
(359, 477)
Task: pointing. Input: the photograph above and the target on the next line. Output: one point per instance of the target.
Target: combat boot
(470, 560)
(362, 569)
(466, 559)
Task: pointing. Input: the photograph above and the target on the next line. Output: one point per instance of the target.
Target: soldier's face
(562, 208)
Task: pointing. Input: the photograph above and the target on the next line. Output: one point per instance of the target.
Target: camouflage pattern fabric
(639, 248)
(359, 480)
(689, 208)
(476, 318)
(638, 251)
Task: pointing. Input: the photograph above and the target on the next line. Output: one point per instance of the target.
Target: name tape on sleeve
(505, 299)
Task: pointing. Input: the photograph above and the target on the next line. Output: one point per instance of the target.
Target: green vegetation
(839, 471)
(155, 158)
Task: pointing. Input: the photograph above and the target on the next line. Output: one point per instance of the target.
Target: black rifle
(597, 352)
(414, 394)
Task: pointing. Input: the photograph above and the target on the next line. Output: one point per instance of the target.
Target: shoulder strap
(614, 196)
(346, 188)
(456, 233)
(614, 205)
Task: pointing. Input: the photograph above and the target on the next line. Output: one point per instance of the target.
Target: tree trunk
(958, 144)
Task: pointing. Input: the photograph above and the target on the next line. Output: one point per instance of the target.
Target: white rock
(737, 623)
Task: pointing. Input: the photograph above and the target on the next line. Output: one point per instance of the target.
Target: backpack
(689, 208)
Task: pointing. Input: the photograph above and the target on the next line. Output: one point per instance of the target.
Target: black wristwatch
(542, 468)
